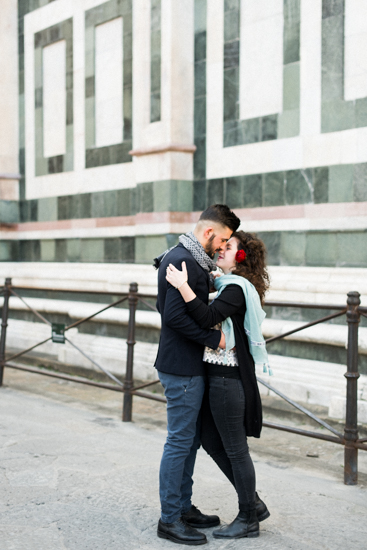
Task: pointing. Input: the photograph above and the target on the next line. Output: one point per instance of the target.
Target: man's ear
(208, 232)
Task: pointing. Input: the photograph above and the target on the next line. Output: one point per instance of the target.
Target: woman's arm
(178, 279)
(228, 302)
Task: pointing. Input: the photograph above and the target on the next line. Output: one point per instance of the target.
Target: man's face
(217, 240)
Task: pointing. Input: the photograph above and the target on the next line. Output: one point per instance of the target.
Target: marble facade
(258, 104)
(261, 105)
(9, 144)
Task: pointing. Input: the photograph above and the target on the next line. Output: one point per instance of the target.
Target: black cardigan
(231, 303)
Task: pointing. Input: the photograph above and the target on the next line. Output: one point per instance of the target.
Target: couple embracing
(206, 364)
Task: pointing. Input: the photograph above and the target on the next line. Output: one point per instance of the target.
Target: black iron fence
(353, 311)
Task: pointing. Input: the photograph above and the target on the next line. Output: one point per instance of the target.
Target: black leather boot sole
(180, 533)
(246, 526)
(251, 535)
(180, 541)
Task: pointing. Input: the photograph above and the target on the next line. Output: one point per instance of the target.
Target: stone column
(9, 168)
(163, 150)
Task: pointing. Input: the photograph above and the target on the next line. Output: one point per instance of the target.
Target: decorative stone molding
(322, 285)
(9, 187)
(170, 148)
(10, 176)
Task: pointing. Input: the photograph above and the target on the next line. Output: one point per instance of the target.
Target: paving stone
(73, 476)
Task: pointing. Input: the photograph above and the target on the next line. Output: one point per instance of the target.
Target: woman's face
(226, 259)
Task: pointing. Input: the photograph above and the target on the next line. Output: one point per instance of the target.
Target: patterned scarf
(190, 242)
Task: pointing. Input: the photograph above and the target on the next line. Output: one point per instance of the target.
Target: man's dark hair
(220, 213)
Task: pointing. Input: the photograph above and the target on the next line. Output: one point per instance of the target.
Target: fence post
(4, 324)
(352, 375)
(129, 376)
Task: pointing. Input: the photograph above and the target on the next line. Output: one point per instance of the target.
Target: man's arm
(176, 316)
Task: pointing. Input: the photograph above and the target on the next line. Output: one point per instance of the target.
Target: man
(180, 368)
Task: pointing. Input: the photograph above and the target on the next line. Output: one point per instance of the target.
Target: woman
(234, 410)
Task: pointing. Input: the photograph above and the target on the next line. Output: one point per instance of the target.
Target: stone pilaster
(163, 149)
(9, 101)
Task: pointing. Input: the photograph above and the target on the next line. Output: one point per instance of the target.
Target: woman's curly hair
(253, 267)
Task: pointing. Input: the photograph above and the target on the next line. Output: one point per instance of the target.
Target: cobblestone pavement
(73, 476)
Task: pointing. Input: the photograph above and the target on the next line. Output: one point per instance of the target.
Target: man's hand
(222, 343)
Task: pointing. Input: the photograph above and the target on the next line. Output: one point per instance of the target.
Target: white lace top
(221, 356)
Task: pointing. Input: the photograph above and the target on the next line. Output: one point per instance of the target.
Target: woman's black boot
(261, 508)
(246, 524)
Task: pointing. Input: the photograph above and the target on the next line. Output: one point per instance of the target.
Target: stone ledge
(335, 335)
(168, 148)
(321, 285)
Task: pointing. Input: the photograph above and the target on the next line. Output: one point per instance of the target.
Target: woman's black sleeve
(230, 300)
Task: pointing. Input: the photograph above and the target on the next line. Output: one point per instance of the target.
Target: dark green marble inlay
(200, 95)
(199, 196)
(110, 154)
(216, 191)
(118, 153)
(321, 249)
(294, 248)
(234, 192)
(331, 8)
(200, 46)
(9, 211)
(155, 60)
(339, 183)
(321, 185)
(274, 189)
(299, 188)
(30, 251)
(252, 191)
(292, 31)
(360, 182)
(272, 240)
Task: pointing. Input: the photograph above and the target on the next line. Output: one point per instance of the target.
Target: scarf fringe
(267, 369)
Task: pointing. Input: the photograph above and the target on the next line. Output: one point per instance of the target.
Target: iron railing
(353, 311)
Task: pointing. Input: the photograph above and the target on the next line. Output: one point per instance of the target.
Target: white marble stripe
(108, 82)
(310, 98)
(54, 99)
(355, 49)
(261, 58)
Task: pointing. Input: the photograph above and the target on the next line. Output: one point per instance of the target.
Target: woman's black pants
(224, 437)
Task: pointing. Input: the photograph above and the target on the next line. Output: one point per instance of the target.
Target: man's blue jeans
(184, 396)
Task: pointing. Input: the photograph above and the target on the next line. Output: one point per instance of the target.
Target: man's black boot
(180, 532)
(245, 525)
(261, 510)
(195, 518)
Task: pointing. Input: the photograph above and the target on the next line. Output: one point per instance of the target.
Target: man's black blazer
(182, 341)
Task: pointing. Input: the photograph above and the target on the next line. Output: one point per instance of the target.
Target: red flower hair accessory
(240, 256)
